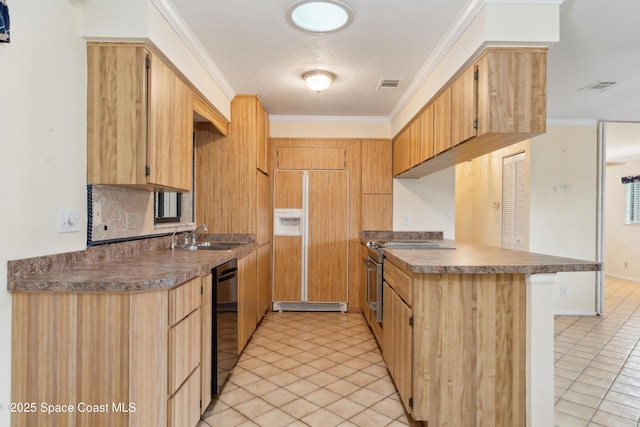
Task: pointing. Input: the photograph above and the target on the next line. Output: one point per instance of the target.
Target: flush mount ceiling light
(319, 16)
(318, 80)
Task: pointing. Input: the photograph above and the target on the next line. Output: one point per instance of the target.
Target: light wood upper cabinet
(406, 148)
(426, 134)
(310, 158)
(512, 92)
(229, 171)
(503, 104)
(442, 122)
(376, 166)
(463, 107)
(139, 120)
(262, 138)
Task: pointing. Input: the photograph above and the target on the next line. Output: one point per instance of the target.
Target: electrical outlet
(625, 264)
(130, 220)
(564, 291)
(405, 220)
(68, 221)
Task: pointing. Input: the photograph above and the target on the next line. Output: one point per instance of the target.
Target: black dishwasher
(225, 323)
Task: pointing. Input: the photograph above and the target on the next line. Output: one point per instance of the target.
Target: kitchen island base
(481, 347)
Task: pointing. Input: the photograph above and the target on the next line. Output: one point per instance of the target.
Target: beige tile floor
(325, 369)
(309, 369)
(597, 362)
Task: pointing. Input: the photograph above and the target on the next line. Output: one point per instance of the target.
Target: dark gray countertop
(152, 269)
(478, 259)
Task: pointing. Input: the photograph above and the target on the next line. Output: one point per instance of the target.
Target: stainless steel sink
(212, 246)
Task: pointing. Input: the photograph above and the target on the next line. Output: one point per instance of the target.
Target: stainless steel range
(374, 265)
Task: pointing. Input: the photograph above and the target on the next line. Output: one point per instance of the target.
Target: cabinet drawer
(183, 300)
(183, 407)
(399, 281)
(184, 350)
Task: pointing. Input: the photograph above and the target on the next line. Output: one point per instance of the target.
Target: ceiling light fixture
(318, 80)
(319, 16)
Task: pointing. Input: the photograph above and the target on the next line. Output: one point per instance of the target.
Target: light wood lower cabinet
(397, 344)
(247, 299)
(132, 357)
(463, 361)
(206, 309)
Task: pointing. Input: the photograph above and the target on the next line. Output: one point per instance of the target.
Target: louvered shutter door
(514, 203)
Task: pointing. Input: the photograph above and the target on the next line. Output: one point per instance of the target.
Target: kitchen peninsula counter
(479, 259)
(475, 325)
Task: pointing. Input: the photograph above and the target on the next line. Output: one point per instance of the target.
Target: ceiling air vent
(599, 86)
(388, 84)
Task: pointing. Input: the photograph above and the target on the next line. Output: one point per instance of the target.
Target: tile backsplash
(127, 213)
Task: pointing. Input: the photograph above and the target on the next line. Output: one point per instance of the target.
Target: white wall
(563, 208)
(427, 203)
(621, 240)
(562, 205)
(42, 143)
(479, 196)
(43, 133)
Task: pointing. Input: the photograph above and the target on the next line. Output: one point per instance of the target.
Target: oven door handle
(371, 266)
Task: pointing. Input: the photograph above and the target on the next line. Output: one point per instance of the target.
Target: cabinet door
(169, 142)
(377, 211)
(397, 343)
(463, 107)
(264, 280)
(184, 350)
(328, 236)
(262, 137)
(376, 166)
(310, 158)
(116, 115)
(426, 134)
(442, 122)
(184, 406)
(403, 344)
(407, 150)
(206, 309)
(247, 299)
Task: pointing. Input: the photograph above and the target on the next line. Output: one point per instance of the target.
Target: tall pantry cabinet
(234, 193)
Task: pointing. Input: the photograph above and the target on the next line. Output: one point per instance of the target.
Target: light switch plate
(68, 221)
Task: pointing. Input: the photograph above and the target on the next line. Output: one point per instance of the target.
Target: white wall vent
(599, 86)
(388, 84)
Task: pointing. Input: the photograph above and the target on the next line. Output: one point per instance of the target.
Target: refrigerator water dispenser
(287, 222)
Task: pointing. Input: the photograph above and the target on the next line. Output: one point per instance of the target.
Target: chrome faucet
(193, 233)
(173, 242)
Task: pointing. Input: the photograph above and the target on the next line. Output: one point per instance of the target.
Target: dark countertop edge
(553, 265)
(387, 235)
(40, 283)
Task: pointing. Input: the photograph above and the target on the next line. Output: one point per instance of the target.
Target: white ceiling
(257, 51)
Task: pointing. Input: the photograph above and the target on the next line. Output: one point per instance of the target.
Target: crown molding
(369, 120)
(175, 20)
(438, 55)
